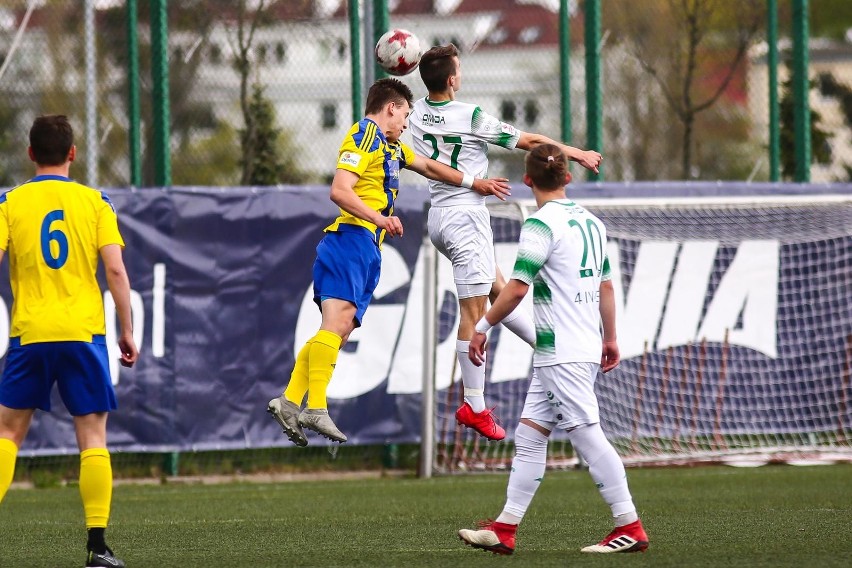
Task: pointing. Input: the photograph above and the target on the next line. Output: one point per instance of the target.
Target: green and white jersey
(457, 134)
(562, 253)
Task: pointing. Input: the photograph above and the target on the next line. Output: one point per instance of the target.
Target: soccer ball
(398, 52)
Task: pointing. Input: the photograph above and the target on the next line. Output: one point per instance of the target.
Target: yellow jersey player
(348, 262)
(54, 230)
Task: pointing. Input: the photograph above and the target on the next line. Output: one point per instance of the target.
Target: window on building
(530, 112)
(328, 116)
(280, 52)
(215, 53)
(262, 52)
(508, 111)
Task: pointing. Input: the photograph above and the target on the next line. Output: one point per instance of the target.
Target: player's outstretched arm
(509, 299)
(610, 356)
(119, 287)
(433, 169)
(589, 159)
(343, 195)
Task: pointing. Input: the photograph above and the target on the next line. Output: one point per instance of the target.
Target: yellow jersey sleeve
(108, 224)
(356, 150)
(4, 224)
(406, 154)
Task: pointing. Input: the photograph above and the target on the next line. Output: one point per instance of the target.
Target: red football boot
(483, 422)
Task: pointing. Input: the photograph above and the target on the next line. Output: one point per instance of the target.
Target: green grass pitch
(710, 516)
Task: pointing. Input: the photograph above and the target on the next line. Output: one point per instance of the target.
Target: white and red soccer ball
(398, 52)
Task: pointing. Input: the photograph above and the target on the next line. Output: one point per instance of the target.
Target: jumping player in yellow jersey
(53, 230)
(348, 263)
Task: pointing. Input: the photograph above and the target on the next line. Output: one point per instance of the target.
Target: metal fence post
(774, 109)
(92, 141)
(381, 24)
(594, 105)
(355, 57)
(133, 112)
(160, 80)
(801, 90)
(565, 69)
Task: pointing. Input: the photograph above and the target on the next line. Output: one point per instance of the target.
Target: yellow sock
(324, 352)
(96, 486)
(298, 385)
(8, 454)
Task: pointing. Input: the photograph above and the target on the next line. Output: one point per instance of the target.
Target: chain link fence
(671, 109)
(684, 84)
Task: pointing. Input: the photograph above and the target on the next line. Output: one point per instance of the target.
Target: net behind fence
(734, 327)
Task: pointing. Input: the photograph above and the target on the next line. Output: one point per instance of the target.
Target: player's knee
(529, 442)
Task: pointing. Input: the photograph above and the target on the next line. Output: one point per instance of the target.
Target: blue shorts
(347, 267)
(80, 370)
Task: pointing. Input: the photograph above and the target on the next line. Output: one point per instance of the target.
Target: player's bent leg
(297, 387)
(473, 412)
(472, 298)
(519, 320)
(324, 350)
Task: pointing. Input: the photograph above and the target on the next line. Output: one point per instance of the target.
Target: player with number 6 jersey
(59, 227)
(54, 231)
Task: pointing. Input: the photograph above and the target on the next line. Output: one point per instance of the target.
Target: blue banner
(221, 292)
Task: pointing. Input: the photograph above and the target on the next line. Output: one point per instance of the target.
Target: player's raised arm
(343, 195)
(433, 169)
(589, 159)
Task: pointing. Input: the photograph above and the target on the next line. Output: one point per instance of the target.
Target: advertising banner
(222, 300)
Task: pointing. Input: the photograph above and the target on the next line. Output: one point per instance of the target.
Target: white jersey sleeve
(457, 134)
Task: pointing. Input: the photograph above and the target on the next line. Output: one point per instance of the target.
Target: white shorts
(463, 234)
(563, 396)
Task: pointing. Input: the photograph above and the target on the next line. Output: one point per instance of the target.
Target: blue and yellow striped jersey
(366, 152)
(53, 229)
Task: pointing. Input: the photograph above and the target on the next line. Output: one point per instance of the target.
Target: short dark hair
(385, 91)
(436, 66)
(547, 165)
(51, 138)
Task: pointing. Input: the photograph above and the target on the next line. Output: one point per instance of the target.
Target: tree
(193, 122)
(246, 27)
(677, 45)
(260, 143)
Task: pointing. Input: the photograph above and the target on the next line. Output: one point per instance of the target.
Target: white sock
(473, 377)
(521, 324)
(607, 471)
(527, 473)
